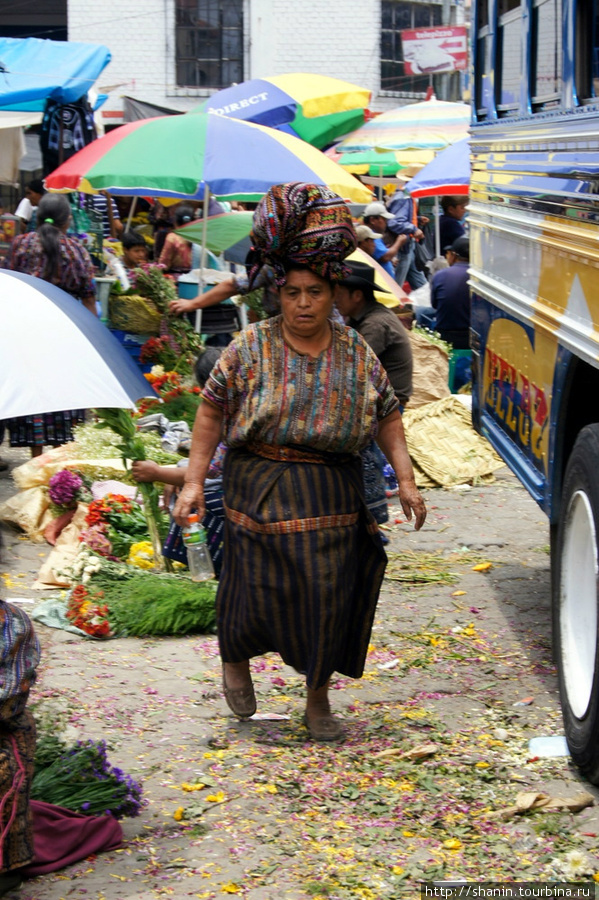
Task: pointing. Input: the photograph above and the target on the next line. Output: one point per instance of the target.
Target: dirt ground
(459, 678)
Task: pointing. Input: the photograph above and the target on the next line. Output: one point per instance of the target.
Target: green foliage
(49, 747)
(144, 603)
(152, 283)
(181, 408)
(132, 449)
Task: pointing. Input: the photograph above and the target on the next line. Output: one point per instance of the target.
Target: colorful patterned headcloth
(306, 224)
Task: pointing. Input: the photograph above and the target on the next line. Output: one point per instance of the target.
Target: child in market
(173, 477)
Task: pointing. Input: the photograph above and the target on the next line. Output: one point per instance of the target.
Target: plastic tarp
(34, 70)
(12, 143)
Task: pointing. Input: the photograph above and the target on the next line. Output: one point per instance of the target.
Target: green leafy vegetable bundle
(145, 603)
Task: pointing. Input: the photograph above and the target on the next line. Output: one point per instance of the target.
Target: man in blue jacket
(450, 296)
(406, 221)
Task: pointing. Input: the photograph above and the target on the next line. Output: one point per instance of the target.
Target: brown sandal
(241, 701)
(325, 728)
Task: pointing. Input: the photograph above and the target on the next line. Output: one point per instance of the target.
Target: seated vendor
(19, 657)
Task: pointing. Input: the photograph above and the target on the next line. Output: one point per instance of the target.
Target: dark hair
(131, 238)
(452, 200)
(37, 186)
(300, 267)
(53, 213)
(205, 363)
(183, 215)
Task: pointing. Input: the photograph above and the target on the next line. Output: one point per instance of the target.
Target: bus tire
(575, 603)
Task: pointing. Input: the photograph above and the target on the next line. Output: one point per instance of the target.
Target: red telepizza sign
(429, 50)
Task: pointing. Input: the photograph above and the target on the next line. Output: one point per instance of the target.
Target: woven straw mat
(445, 447)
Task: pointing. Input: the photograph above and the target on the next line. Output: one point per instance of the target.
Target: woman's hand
(411, 501)
(145, 470)
(178, 307)
(190, 498)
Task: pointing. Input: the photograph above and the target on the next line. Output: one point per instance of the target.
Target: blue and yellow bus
(534, 229)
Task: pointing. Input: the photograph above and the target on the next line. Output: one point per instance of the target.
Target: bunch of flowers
(114, 523)
(179, 401)
(66, 489)
(83, 780)
(109, 505)
(163, 381)
(132, 449)
(159, 350)
(85, 564)
(96, 538)
(88, 612)
(141, 555)
(151, 281)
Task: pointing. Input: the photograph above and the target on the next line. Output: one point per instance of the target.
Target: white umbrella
(57, 355)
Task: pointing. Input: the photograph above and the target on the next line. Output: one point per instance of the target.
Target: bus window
(509, 57)
(583, 52)
(484, 62)
(546, 53)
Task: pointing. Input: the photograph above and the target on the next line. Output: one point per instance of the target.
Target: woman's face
(306, 303)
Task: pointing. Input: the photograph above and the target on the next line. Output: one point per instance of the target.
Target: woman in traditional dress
(51, 254)
(295, 398)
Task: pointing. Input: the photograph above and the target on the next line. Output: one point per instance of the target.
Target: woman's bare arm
(392, 441)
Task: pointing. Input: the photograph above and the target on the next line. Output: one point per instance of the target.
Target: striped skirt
(303, 564)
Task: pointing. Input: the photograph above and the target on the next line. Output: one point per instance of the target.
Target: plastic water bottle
(198, 556)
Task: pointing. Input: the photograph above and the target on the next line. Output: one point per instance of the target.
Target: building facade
(175, 53)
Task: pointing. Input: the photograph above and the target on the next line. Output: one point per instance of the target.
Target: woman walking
(295, 398)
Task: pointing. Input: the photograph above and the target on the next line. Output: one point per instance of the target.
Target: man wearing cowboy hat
(379, 326)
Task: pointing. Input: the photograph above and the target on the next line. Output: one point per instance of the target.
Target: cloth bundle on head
(305, 224)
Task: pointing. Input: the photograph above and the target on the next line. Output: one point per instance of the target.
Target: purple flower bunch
(64, 489)
(83, 780)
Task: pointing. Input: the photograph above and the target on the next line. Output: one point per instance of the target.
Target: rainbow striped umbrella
(415, 132)
(316, 108)
(184, 156)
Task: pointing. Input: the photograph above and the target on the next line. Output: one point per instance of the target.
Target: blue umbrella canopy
(58, 355)
(447, 173)
(316, 108)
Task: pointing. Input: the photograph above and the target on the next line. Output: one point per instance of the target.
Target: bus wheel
(575, 614)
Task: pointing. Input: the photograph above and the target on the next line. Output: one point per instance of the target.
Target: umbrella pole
(198, 324)
(131, 213)
(437, 229)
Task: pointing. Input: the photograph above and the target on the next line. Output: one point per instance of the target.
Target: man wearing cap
(379, 326)
(385, 252)
(450, 296)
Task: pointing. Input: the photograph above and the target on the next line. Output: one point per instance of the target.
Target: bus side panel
(511, 398)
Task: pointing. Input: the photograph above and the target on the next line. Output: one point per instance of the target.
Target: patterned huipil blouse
(271, 394)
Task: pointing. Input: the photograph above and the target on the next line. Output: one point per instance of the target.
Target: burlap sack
(63, 553)
(28, 510)
(430, 373)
